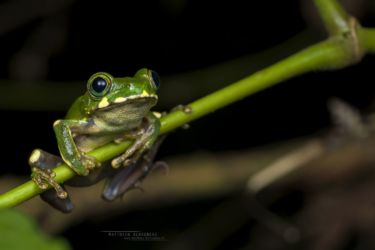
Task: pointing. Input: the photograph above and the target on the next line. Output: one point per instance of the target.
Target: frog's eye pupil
(99, 85)
(155, 78)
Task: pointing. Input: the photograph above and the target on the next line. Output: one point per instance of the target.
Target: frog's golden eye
(99, 86)
(154, 78)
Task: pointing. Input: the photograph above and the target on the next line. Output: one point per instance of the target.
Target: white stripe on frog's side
(104, 102)
(119, 99)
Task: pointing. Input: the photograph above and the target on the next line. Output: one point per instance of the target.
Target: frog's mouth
(145, 97)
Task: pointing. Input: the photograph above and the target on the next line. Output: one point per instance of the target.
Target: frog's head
(108, 94)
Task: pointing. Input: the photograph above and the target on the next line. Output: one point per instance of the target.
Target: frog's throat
(104, 102)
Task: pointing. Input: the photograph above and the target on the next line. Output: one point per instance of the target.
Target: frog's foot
(126, 159)
(132, 135)
(84, 164)
(133, 153)
(145, 137)
(42, 163)
(45, 178)
(89, 163)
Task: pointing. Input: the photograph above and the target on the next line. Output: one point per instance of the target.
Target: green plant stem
(324, 55)
(333, 15)
(334, 53)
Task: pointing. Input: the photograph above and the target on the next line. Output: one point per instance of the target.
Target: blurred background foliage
(20, 232)
(50, 48)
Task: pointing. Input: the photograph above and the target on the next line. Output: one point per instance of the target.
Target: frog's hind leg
(132, 176)
(42, 163)
(129, 178)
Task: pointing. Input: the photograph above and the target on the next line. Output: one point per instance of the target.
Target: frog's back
(75, 112)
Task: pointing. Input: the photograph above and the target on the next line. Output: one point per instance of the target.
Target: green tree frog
(112, 109)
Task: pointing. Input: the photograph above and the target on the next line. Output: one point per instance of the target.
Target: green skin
(120, 112)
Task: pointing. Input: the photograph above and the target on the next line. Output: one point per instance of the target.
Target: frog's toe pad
(123, 161)
(128, 162)
(115, 163)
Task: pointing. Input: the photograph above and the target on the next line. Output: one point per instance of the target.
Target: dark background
(172, 38)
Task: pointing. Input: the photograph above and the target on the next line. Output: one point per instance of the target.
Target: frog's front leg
(77, 160)
(144, 140)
